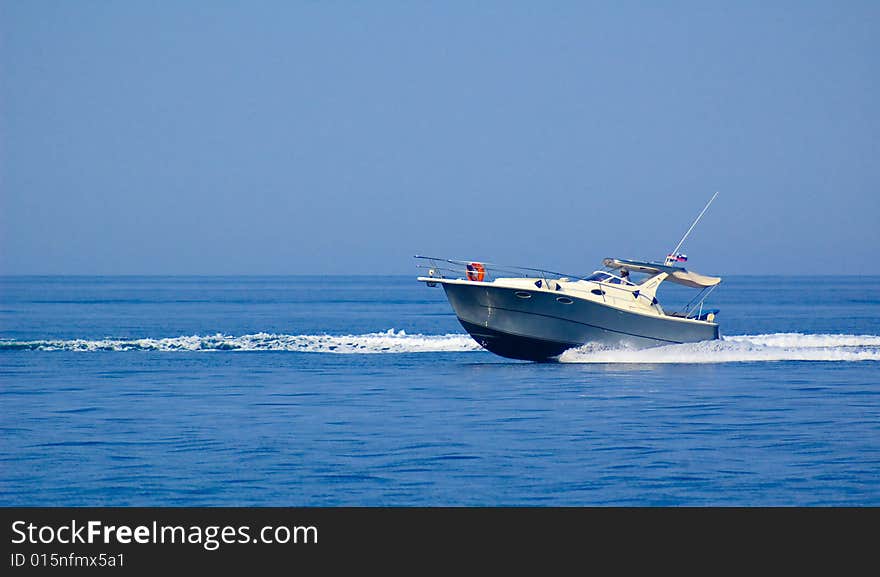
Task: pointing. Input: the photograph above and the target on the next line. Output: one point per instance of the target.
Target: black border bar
(425, 539)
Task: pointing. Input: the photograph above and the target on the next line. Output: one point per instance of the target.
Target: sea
(365, 391)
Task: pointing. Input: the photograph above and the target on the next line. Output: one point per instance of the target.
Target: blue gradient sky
(332, 137)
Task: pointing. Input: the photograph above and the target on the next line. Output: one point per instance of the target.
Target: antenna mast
(681, 242)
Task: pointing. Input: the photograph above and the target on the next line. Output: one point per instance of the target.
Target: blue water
(317, 391)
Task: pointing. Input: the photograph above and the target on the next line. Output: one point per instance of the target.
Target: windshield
(599, 276)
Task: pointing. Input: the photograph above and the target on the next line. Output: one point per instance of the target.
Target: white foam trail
(384, 342)
(732, 349)
(740, 349)
(808, 341)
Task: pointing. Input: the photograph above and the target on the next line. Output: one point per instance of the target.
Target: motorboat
(536, 315)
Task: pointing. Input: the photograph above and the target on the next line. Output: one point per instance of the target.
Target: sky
(216, 137)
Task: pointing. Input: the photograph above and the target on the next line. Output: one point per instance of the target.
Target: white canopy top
(676, 274)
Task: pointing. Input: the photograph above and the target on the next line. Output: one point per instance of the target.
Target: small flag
(677, 257)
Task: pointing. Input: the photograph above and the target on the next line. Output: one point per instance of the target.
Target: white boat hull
(539, 325)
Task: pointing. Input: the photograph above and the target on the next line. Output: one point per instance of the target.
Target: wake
(731, 349)
(370, 343)
(740, 349)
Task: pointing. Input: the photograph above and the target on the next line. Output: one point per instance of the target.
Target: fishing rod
(674, 256)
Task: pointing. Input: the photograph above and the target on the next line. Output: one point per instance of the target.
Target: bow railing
(444, 268)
